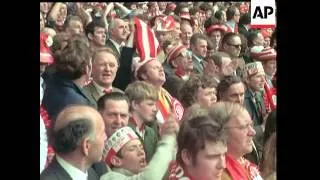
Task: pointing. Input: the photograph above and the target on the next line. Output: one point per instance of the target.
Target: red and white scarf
(247, 171)
(176, 172)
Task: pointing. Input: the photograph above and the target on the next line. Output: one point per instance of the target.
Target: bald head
(73, 125)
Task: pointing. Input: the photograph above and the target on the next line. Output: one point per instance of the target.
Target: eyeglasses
(242, 127)
(235, 45)
(186, 53)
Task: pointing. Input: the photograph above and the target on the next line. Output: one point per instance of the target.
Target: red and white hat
(254, 68)
(175, 51)
(146, 44)
(117, 140)
(265, 54)
(216, 27)
(45, 51)
(255, 52)
(165, 24)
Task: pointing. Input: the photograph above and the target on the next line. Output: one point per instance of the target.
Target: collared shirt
(198, 58)
(100, 89)
(231, 24)
(118, 46)
(75, 173)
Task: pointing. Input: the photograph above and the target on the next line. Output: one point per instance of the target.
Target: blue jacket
(61, 92)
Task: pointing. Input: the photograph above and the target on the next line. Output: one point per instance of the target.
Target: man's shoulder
(113, 175)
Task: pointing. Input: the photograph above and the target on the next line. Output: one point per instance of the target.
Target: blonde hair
(268, 165)
(140, 90)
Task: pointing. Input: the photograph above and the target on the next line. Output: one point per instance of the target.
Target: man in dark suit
(104, 69)
(119, 32)
(73, 69)
(78, 138)
(198, 45)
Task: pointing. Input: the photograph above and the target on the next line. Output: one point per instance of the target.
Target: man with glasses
(231, 44)
(198, 45)
(178, 68)
(236, 120)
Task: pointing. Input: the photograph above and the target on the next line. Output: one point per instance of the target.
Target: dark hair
(194, 133)
(210, 21)
(225, 84)
(219, 15)
(90, 28)
(179, 7)
(270, 125)
(188, 90)
(73, 59)
(67, 139)
(244, 44)
(194, 10)
(251, 37)
(226, 38)
(231, 11)
(205, 6)
(115, 96)
(217, 57)
(210, 44)
(245, 19)
(194, 38)
(176, 18)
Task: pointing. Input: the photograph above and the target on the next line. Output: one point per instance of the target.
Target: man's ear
(186, 157)
(85, 146)
(144, 76)
(90, 36)
(116, 161)
(134, 105)
(174, 63)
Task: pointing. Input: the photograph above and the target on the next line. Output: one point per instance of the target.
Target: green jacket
(149, 140)
(155, 170)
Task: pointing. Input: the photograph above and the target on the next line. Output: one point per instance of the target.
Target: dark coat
(124, 73)
(173, 82)
(110, 45)
(56, 172)
(61, 92)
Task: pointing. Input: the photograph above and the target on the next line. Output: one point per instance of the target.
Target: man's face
(210, 162)
(104, 69)
(115, 115)
(259, 40)
(233, 46)
(270, 67)
(186, 33)
(206, 97)
(162, 36)
(75, 27)
(154, 72)
(237, 16)
(146, 109)
(97, 147)
(41, 23)
(240, 133)
(176, 32)
(200, 48)
(119, 32)
(184, 61)
(234, 94)
(266, 42)
(44, 7)
(215, 36)
(99, 36)
(208, 14)
(133, 156)
(256, 82)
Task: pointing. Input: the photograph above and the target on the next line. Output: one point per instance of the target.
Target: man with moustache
(143, 98)
(104, 70)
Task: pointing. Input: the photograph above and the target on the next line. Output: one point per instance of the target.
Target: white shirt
(43, 145)
(41, 89)
(75, 173)
(118, 46)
